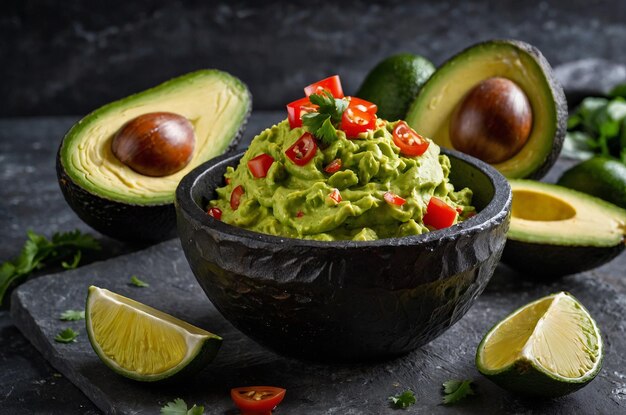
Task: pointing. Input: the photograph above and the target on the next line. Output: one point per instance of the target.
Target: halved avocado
(120, 202)
(431, 112)
(557, 231)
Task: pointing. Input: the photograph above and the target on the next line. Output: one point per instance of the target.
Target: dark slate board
(313, 388)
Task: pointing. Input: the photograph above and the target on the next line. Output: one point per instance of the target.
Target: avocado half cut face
(435, 108)
(556, 231)
(117, 200)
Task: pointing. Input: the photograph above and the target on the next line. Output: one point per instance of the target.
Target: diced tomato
(303, 150)
(299, 214)
(333, 166)
(331, 84)
(296, 109)
(260, 165)
(335, 195)
(215, 213)
(410, 143)
(438, 214)
(394, 199)
(235, 197)
(355, 121)
(227, 180)
(363, 105)
(257, 400)
(458, 209)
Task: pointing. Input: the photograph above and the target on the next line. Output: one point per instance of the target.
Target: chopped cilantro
(324, 122)
(137, 282)
(72, 315)
(404, 400)
(455, 390)
(66, 336)
(179, 407)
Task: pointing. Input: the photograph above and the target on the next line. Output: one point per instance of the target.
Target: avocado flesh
(431, 112)
(558, 231)
(216, 103)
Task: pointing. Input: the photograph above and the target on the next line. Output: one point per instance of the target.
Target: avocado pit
(493, 121)
(155, 144)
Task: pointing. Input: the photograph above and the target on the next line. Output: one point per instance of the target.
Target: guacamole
(359, 189)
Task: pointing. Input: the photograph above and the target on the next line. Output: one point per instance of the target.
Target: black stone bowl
(344, 300)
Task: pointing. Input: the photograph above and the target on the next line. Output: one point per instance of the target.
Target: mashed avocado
(294, 201)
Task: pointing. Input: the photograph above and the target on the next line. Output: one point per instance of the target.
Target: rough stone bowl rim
(493, 214)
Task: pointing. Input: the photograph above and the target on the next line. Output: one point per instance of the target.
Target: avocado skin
(548, 261)
(603, 177)
(127, 221)
(343, 300)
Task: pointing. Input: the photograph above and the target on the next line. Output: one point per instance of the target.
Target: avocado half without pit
(118, 167)
(557, 231)
(498, 101)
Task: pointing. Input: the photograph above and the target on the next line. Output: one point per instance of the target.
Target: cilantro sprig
(134, 280)
(66, 336)
(454, 390)
(403, 400)
(324, 122)
(38, 251)
(179, 407)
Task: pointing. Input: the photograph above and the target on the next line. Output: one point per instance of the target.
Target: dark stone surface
(69, 57)
(311, 388)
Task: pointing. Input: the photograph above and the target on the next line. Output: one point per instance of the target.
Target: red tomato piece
(355, 121)
(331, 84)
(363, 105)
(296, 109)
(410, 143)
(260, 165)
(299, 214)
(303, 150)
(215, 213)
(227, 180)
(335, 195)
(333, 166)
(394, 199)
(258, 400)
(438, 214)
(235, 197)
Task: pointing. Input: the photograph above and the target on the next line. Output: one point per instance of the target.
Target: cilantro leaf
(72, 315)
(66, 336)
(455, 390)
(137, 282)
(324, 122)
(38, 252)
(179, 407)
(404, 400)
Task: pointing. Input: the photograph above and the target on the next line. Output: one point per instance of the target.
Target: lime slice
(143, 343)
(550, 347)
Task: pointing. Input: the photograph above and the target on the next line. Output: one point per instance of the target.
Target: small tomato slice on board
(394, 199)
(260, 165)
(235, 197)
(303, 150)
(257, 400)
(331, 84)
(355, 121)
(333, 167)
(410, 143)
(296, 109)
(335, 195)
(363, 105)
(215, 213)
(439, 214)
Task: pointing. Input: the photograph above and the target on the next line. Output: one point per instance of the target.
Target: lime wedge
(143, 343)
(550, 347)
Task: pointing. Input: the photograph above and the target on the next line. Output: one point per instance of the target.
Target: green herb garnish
(404, 400)
(455, 390)
(137, 282)
(179, 407)
(72, 315)
(38, 252)
(324, 122)
(66, 336)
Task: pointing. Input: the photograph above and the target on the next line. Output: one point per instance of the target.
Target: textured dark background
(69, 57)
